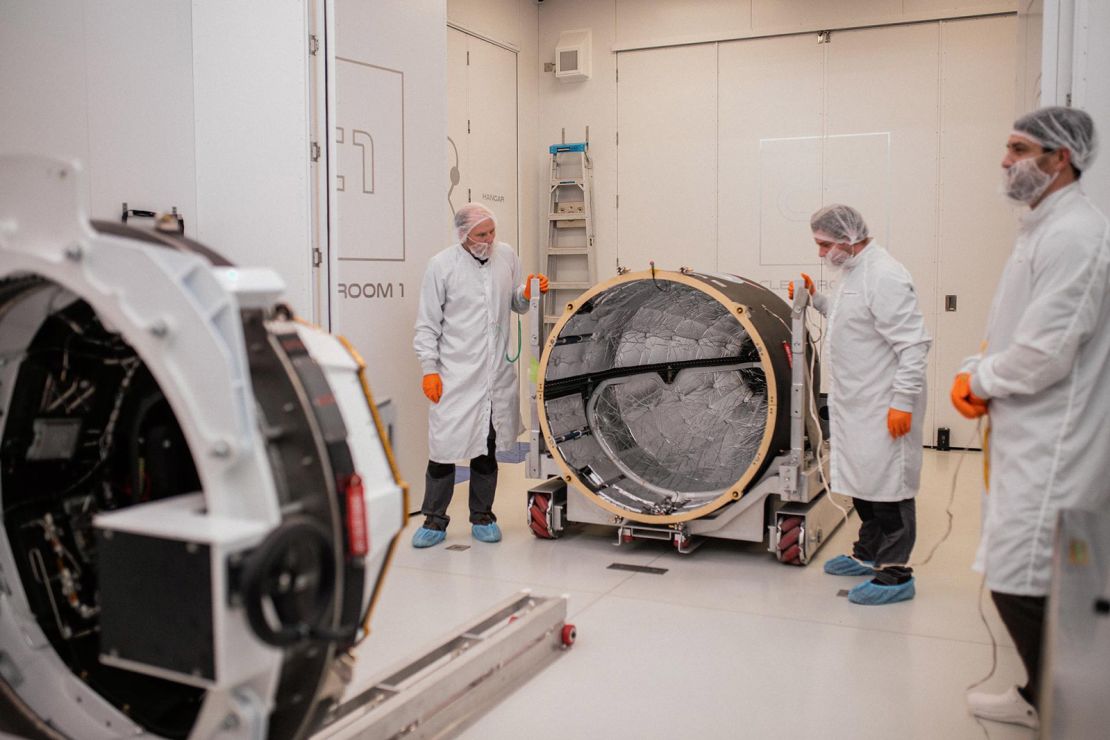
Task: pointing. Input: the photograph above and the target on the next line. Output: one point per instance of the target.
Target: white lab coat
(1045, 368)
(876, 351)
(462, 332)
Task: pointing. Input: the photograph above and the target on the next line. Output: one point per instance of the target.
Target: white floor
(727, 643)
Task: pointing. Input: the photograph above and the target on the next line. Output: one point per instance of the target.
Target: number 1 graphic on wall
(365, 142)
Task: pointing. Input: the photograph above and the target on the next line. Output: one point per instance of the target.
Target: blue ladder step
(559, 148)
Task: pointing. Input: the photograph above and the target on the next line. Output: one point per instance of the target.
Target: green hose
(518, 343)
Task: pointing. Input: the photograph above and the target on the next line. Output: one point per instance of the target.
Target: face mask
(481, 250)
(1025, 182)
(836, 258)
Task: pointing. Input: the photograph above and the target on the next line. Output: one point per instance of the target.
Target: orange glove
(898, 422)
(433, 387)
(528, 285)
(967, 403)
(809, 286)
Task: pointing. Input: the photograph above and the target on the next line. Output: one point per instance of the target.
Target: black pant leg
(898, 522)
(483, 482)
(1024, 620)
(870, 534)
(439, 486)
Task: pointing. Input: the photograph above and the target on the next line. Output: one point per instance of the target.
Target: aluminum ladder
(567, 254)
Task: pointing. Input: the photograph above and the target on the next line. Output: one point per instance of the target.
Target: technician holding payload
(876, 354)
(463, 324)
(1042, 373)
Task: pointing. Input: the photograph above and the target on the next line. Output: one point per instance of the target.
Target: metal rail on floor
(461, 676)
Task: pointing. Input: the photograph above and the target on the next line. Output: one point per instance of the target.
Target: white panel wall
(667, 117)
(504, 21)
(492, 139)
(800, 125)
(513, 23)
(771, 119)
(1091, 89)
(1030, 29)
(898, 193)
(196, 105)
(769, 14)
(43, 47)
(575, 105)
(976, 121)
(374, 301)
(458, 113)
(110, 84)
(645, 23)
(250, 68)
(529, 140)
(649, 21)
(140, 122)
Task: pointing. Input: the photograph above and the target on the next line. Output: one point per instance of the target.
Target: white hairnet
(1061, 128)
(469, 216)
(843, 223)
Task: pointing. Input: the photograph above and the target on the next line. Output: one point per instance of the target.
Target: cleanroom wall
(725, 148)
(390, 206)
(1074, 60)
(513, 24)
(903, 122)
(482, 131)
(173, 104)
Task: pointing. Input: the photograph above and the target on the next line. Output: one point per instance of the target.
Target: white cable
(952, 496)
(820, 446)
(990, 632)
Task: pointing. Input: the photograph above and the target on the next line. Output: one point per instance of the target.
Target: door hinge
(315, 151)
(618, 74)
(313, 44)
(468, 125)
(468, 58)
(1067, 100)
(618, 138)
(618, 200)
(317, 257)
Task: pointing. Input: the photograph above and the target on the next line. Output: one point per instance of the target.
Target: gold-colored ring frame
(742, 314)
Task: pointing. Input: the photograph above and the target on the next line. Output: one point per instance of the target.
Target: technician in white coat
(876, 354)
(1044, 374)
(463, 325)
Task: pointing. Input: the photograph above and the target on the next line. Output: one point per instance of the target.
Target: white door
(482, 130)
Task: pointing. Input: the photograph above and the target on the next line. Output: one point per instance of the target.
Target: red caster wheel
(537, 517)
(789, 539)
(789, 523)
(569, 634)
(792, 555)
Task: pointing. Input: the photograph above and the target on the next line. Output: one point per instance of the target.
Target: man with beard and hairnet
(1042, 376)
(468, 295)
(876, 352)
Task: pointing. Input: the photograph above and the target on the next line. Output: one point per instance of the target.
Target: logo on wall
(365, 142)
(370, 162)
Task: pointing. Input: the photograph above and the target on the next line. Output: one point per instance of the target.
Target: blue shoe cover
(425, 537)
(842, 565)
(486, 532)
(873, 594)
